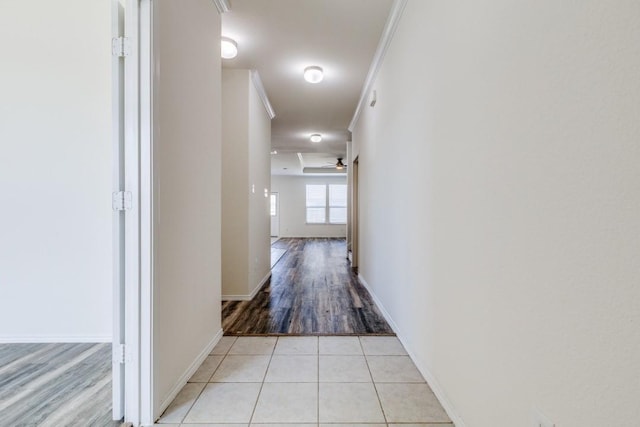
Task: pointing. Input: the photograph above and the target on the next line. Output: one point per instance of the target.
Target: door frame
(133, 257)
(355, 212)
(118, 225)
(277, 194)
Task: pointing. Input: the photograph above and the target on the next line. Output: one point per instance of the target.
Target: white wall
(55, 171)
(260, 179)
(235, 182)
(509, 258)
(246, 149)
(293, 213)
(187, 190)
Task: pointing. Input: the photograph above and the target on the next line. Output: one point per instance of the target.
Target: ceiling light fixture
(313, 74)
(228, 48)
(340, 165)
(316, 137)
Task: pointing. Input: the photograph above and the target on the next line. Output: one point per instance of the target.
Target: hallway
(312, 291)
(341, 376)
(308, 381)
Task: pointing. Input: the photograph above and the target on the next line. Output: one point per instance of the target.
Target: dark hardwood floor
(312, 291)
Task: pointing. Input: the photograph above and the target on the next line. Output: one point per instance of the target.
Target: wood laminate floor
(55, 385)
(312, 291)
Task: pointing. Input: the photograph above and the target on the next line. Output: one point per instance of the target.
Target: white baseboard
(428, 376)
(15, 339)
(188, 373)
(251, 295)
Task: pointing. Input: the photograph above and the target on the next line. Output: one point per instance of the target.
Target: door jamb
(138, 336)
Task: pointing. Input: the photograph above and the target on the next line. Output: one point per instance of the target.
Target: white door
(117, 30)
(275, 215)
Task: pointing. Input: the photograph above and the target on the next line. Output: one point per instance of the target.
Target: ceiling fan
(338, 165)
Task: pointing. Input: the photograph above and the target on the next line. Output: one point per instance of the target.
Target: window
(326, 204)
(338, 204)
(316, 204)
(274, 205)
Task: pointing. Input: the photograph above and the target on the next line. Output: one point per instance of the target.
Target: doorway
(355, 214)
(275, 214)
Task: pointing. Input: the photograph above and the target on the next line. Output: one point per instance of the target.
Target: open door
(117, 31)
(131, 65)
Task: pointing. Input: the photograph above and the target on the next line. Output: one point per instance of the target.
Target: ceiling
(279, 38)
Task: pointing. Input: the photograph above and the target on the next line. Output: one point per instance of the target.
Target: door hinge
(121, 200)
(120, 46)
(121, 356)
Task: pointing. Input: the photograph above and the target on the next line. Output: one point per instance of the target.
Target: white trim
(428, 376)
(118, 229)
(251, 295)
(188, 373)
(132, 216)
(383, 45)
(145, 309)
(222, 6)
(257, 83)
(14, 339)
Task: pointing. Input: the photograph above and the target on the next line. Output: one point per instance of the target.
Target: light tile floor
(334, 381)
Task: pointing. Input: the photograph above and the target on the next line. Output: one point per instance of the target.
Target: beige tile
(394, 369)
(225, 403)
(253, 345)
(214, 425)
(284, 425)
(287, 403)
(340, 345)
(292, 369)
(297, 345)
(382, 346)
(421, 425)
(349, 403)
(206, 370)
(241, 369)
(223, 345)
(181, 404)
(410, 403)
(344, 369)
(352, 425)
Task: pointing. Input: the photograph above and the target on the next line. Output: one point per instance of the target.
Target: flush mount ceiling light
(313, 74)
(316, 137)
(228, 48)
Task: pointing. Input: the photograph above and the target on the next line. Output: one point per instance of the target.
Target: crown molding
(222, 6)
(257, 82)
(383, 45)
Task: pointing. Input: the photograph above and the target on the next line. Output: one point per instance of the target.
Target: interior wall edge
(435, 385)
(182, 381)
(251, 295)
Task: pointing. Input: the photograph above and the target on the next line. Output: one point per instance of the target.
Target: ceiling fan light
(228, 48)
(316, 137)
(340, 165)
(313, 74)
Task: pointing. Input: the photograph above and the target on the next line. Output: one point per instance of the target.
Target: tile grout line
(255, 405)
(224, 356)
(384, 415)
